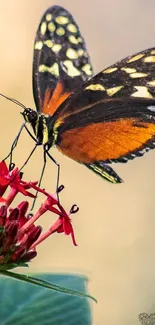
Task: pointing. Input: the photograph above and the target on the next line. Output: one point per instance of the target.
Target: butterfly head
(30, 115)
(43, 129)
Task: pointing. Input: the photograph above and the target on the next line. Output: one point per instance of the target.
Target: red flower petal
(4, 181)
(3, 168)
(2, 199)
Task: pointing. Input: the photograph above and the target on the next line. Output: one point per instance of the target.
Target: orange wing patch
(50, 105)
(106, 141)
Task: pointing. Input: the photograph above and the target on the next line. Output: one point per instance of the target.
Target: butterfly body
(95, 120)
(41, 127)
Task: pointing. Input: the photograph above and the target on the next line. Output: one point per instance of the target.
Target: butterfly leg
(105, 171)
(15, 142)
(46, 153)
(30, 134)
(58, 175)
(40, 180)
(30, 155)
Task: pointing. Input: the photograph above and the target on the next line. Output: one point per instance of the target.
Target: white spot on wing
(72, 28)
(38, 45)
(135, 57)
(43, 28)
(62, 20)
(56, 48)
(128, 70)
(141, 91)
(110, 70)
(87, 69)
(48, 43)
(112, 91)
(71, 53)
(71, 70)
(54, 69)
(51, 27)
(48, 17)
(95, 87)
(60, 31)
(151, 108)
(138, 75)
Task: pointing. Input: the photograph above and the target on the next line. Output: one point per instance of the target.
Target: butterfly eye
(33, 116)
(30, 115)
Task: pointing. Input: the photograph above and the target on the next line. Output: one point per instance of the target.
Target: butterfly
(95, 120)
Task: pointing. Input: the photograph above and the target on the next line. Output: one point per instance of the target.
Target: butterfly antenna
(15, 101)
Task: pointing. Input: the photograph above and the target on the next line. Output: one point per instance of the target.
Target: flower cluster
(19, 236)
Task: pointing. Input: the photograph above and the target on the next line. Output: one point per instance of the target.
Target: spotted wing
(112, 116)
(61, 61)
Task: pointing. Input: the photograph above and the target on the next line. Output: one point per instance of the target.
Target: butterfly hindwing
(61, 62)
(105, 171)
(112, 116)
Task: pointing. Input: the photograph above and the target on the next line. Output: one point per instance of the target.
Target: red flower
(12, 178)
(62, 224)
(19, 236)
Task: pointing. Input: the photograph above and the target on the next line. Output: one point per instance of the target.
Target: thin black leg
(14, 144)
(58, 175)
(30, 155)
(30, 134)
(40, 180)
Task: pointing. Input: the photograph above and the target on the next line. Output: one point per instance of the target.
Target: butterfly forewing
(131, 78)
(61, 62)
(112, 116)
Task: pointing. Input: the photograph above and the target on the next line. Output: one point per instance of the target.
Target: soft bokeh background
(116, 224)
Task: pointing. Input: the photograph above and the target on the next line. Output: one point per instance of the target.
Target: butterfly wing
(111, 117)
(61, 62)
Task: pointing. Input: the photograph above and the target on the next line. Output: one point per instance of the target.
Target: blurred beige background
(115, 227)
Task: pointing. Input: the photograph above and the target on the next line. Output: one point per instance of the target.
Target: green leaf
(45, 284)
(25, 304)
